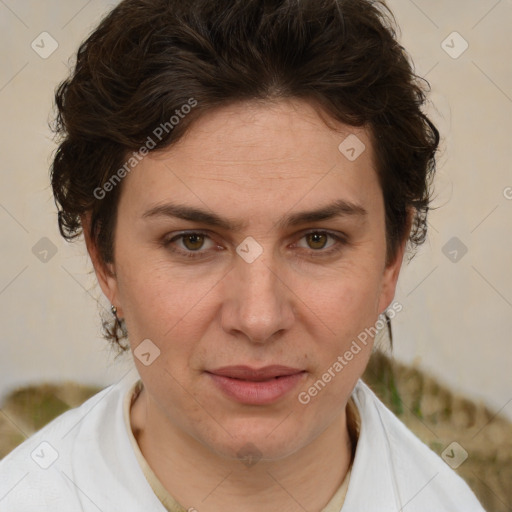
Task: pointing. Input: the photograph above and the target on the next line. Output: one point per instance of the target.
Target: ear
(392, 270)
(105, 272)
(390, 278)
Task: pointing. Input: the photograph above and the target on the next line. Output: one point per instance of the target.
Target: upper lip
(256, 374)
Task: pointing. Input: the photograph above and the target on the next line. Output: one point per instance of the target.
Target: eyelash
(337, 247)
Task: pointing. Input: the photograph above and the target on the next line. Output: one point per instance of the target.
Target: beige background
(457, 316)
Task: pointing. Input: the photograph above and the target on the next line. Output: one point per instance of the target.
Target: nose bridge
(260, 279)
(260, 303)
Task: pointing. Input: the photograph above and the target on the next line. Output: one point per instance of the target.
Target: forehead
(268, 135)
(259, 156)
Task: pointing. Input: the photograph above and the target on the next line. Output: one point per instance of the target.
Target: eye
(191, 244)
(195, 244)
(193, 241)
(318, 242)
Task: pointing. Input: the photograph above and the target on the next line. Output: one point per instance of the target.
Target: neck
(198, 478)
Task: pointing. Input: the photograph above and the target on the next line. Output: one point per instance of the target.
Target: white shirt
(83, 461)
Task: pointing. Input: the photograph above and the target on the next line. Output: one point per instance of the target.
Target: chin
(251, 444)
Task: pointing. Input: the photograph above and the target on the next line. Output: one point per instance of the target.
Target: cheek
(348, 307)
(156, 297)
(347, 302)
(168, 311)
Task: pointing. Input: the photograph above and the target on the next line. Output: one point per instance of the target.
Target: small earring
(390, 330)
(118, 323)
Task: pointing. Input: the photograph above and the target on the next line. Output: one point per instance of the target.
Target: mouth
(256, 386)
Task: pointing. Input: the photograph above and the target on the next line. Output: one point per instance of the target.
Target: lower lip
(257, 393)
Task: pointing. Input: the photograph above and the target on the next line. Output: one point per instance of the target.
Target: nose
(258, 304)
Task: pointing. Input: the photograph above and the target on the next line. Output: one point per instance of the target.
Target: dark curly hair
(150, 58)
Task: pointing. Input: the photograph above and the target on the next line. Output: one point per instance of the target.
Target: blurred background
(450, 377)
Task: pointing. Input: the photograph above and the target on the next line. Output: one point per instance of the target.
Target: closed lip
(255, 374)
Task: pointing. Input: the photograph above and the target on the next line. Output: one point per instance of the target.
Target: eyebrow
(339, 208)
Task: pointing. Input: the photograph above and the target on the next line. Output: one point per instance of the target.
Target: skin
(252, 163)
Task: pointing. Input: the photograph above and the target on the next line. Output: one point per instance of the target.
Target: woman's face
(258, 280)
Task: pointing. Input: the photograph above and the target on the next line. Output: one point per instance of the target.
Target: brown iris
(193, 242)
(317, 240)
